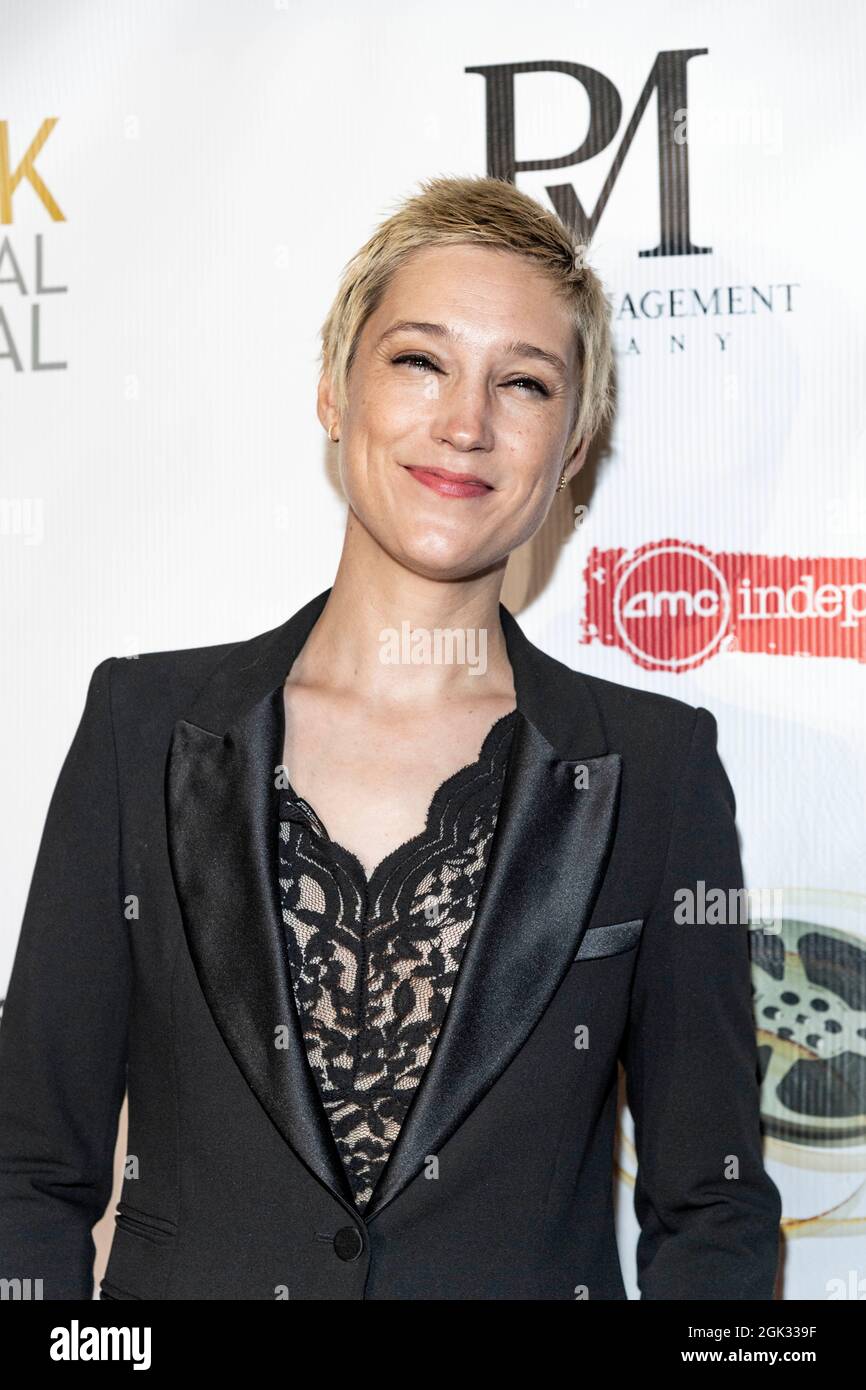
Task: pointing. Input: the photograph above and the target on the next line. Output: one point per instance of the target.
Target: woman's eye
(529, 382)
(413, 358)
(419, 359)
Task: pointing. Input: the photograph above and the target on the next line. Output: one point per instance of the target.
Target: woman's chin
(437, 551)
(444, 562)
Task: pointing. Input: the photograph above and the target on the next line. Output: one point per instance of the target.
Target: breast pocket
(610, 939)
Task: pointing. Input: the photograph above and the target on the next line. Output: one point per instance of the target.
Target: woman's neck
(394, 637)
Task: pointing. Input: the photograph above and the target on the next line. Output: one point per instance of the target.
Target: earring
(333, 441)
(561, 483)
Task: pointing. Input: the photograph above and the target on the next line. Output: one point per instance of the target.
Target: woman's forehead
(455, 292)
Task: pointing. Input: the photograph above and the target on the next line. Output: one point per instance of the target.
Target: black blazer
(152, 957)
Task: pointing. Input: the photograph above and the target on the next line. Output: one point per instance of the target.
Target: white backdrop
(162, 470)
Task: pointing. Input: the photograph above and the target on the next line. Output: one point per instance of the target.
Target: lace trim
(373, 961)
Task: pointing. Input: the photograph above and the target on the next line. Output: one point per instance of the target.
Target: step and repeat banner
(180, 187)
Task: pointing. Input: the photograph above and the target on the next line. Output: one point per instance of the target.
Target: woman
(364, 910)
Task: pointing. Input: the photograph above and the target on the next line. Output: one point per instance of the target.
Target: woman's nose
(462, 417)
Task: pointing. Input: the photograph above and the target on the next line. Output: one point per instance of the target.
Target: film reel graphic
(809, 994)
(809, 998)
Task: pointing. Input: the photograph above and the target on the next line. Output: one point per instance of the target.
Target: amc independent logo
(672, 604)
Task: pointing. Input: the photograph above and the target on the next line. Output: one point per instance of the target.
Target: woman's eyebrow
(441, 330)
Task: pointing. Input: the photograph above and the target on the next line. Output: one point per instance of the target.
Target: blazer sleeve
(708, 1211)
(64, 1027)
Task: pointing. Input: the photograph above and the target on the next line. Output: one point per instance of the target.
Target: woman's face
(483, 386)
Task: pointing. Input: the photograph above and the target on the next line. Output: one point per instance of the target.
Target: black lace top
(373, 962)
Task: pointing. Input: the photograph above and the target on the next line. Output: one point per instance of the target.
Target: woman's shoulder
(625, 711)
(148, 692)
(165, 677)
(659, 736)
(629, 715)
(178, 673)
(625, 703)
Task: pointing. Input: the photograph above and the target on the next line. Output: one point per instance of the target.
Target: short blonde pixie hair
(484, 212)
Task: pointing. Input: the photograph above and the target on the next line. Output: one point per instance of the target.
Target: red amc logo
(673, 604)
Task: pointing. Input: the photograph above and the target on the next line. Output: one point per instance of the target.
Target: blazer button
(348, 1243)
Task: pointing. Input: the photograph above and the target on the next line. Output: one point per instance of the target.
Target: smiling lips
(450, 484)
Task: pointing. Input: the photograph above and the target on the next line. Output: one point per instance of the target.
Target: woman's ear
(578, 459)
(326, 403)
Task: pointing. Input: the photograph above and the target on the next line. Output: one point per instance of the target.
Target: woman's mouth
(449, 484)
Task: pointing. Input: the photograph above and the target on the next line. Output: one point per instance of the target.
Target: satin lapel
(549, 851)
(222, 816)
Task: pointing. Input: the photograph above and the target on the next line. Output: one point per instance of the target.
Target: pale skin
(368, 743)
